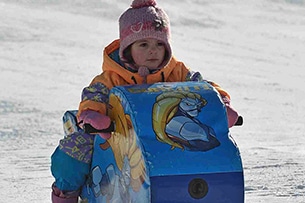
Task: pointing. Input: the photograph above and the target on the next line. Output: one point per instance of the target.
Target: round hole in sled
(198, 188)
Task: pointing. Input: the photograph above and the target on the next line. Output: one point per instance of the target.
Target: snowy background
(255, 49)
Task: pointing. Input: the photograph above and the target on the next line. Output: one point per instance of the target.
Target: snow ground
(50, 50)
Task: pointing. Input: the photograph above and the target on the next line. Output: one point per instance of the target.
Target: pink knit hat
(144, 20)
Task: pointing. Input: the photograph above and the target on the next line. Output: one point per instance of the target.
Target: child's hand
(99, 122)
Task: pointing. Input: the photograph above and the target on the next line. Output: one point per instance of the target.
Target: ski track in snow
(255, 49)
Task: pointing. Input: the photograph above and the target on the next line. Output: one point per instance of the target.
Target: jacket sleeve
(196, 76)
(221, 91)
(182, 73)
(94, 97)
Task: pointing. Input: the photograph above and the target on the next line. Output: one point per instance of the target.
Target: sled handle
(88, 128)
(239, 121)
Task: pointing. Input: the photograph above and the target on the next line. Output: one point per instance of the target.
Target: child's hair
(143, 20)
(127, 55)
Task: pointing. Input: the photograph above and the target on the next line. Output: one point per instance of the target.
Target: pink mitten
(58, 196)
(231, 113)
(96, 120)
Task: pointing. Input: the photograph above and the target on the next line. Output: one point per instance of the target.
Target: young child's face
(148, 52)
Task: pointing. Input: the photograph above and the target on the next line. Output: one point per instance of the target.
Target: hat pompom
(143, 3)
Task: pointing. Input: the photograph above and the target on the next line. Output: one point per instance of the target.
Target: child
(142, 55)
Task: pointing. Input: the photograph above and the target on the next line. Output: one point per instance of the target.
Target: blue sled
(171, 143)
